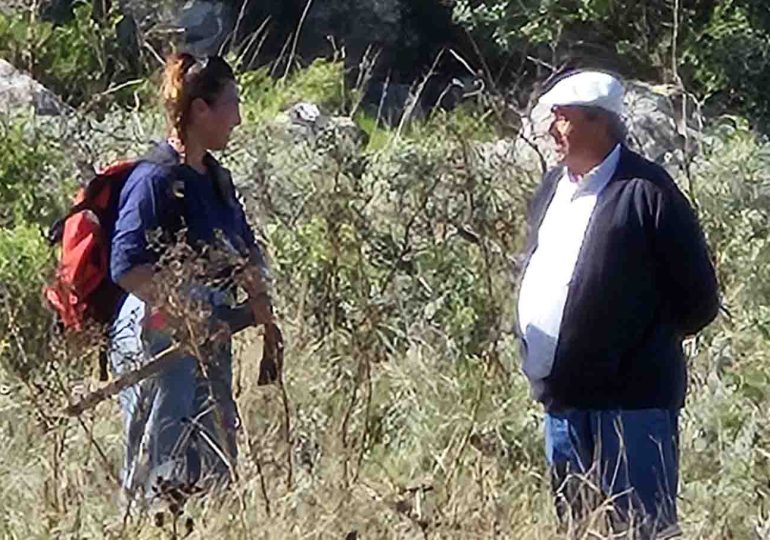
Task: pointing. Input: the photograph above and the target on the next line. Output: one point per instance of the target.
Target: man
(618, 273)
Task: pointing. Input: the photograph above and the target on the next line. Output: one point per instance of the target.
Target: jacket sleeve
(142, 207)
(682, 260)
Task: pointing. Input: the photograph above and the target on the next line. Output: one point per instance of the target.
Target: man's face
(575, 132)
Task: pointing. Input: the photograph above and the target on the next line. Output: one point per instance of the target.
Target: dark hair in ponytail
(186, 78)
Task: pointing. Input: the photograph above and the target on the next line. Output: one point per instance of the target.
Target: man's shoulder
(639, 173)
(546, 187)
(552, 175)
(549, 180)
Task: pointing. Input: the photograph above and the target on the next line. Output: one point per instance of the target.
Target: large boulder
(656, 127)
(19, 91)
(7, 7)
(205, 26)
(380, 23)
(405, 36)
(200, 27)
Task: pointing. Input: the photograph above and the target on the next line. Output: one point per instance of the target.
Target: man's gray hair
(615, 125)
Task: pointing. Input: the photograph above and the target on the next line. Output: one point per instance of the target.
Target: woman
(180, 425)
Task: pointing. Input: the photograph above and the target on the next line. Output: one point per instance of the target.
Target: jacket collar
(628, 164)
(597, 178)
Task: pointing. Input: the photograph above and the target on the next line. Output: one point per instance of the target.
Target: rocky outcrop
(19, 91)
(305, 123)
(205, 26)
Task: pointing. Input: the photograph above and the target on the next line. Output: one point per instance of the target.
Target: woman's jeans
(179, 425)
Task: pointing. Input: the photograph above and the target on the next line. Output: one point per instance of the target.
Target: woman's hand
(254, 281)
(262, 308)
(139, 282)
(271, 366)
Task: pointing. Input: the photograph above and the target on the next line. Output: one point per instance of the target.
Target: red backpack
(82, 291)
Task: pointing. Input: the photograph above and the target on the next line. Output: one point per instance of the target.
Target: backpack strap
(165, 156)
(91, 189)
(56, 231)
(223, 180)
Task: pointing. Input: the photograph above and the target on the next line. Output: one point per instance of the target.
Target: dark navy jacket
(643, 281)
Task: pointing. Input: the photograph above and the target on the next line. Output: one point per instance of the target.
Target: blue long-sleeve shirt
(147, 203)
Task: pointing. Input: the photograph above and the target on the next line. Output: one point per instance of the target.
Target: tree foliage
(720, 49)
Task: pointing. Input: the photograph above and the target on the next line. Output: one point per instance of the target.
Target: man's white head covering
(587, 89)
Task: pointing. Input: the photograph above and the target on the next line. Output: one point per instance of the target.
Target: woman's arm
(258, 290)
(139, 282)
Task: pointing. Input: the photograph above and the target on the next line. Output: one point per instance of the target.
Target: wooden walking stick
(237, 319)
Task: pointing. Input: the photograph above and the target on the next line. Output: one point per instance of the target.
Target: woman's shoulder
(146, 178)
(154, 170)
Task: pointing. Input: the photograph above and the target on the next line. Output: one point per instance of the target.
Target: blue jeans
(631, 456)
(179, 426)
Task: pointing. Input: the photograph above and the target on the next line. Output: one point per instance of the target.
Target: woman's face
(213, 123)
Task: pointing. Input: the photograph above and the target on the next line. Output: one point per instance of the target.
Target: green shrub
(36, 183)
(76, 60)
(264, 96)
(26, 262)
(729, 59)
(722, 51)
(35, 178)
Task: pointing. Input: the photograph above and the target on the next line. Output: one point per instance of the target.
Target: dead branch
(92, 399)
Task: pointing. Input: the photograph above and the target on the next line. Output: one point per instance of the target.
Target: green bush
(731, 185)
(721, 49)
(36, 184)
(76, 60)
(729, 59)
(35, 178)
(265, 96)
(26, 262)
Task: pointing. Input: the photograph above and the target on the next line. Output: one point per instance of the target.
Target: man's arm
(683, 262)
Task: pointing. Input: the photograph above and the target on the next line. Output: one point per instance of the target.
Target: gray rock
(655, 125)
(7, 7)
(360, 23)
(19, 91)
(205, 26)
(199, 27)
(304, 122)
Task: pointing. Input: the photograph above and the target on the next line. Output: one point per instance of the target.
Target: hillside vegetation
(394, 252)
